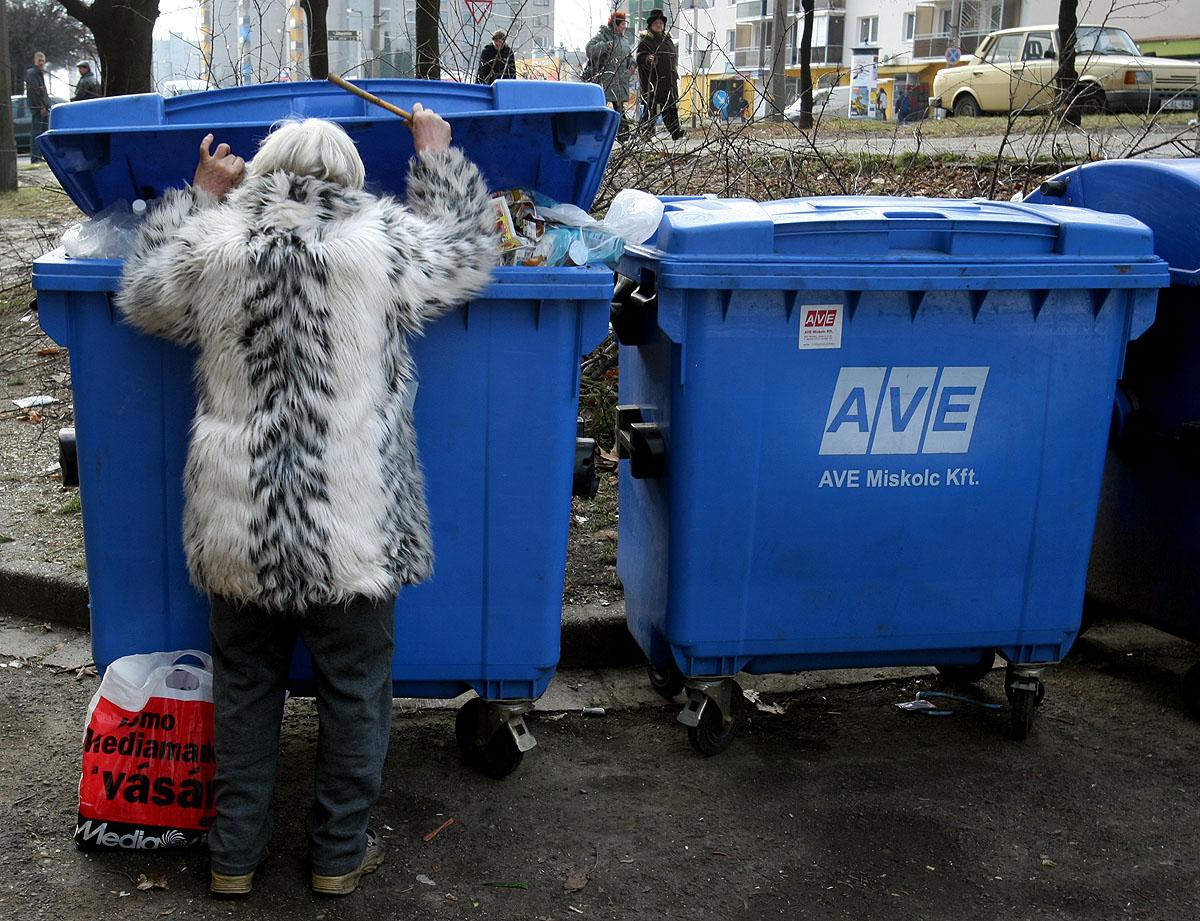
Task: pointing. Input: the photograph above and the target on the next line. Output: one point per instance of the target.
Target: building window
(541, 22)
(996, 17)
(910, 26)
(731, 39)
(868, 30)
(687, 43)
(947, 22)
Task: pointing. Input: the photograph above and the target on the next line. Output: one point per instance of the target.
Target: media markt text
(885, 478)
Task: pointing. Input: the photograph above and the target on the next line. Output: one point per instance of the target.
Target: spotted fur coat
(303, 485)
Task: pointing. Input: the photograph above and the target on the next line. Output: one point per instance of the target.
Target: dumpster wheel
(667, 683)
(1023, 706)
(968, 674)
(712, 734)
(487, 748)
(1191, 689)
(1025, 690)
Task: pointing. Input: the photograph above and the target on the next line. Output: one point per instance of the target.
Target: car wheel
(965, 106)
(1091, 101)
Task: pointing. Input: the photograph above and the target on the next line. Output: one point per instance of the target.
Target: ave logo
(821, 326)
(903, 410)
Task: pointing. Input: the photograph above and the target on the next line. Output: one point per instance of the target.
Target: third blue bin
(1146, 555)
(866, 431)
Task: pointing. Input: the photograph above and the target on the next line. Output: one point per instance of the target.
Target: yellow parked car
(1013, 70)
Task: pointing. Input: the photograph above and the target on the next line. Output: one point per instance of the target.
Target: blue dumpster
(495, 409)
(1144, 558)
(864, 432)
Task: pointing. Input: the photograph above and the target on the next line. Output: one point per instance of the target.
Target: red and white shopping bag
(148, 760)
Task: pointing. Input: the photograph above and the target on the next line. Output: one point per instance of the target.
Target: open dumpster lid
(881, 243)
(1163, 195)
(543, 135)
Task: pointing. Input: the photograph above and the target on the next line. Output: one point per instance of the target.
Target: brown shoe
(348, 882)
(231, 885)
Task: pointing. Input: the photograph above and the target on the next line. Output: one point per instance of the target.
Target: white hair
(310, 147)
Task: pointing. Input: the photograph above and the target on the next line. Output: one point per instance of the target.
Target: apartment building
(726, 41)
(466, 28)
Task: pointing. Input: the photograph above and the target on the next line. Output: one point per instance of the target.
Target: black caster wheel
(1023, 706)
(495, 757)
(712, 736)
(1010, 692)
(1191, 690)
(667, 683)
(968, 674)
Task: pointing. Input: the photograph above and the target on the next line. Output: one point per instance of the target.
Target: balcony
(935, 45)
(747, 58)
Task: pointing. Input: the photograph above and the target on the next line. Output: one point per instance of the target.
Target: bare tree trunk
(806, 89)
(317, 14)
(124, 31)
(428, 20)
(8, 146)
(1067, 77)
(779, 56)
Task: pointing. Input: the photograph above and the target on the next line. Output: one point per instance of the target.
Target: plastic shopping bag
(148, 761)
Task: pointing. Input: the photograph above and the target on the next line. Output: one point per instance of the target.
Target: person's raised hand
(430, 131)
(218, 172)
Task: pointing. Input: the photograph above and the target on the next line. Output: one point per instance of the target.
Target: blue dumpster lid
(536, 134)
(1163, 195)
(880, 243)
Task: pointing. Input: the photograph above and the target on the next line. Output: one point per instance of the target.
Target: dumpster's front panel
(495, 414)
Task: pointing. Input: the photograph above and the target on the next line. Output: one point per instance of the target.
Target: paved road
(840, 806)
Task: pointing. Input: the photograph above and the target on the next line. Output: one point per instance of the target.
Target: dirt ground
(841, 807)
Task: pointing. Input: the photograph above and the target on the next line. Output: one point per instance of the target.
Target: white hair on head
(310, 147)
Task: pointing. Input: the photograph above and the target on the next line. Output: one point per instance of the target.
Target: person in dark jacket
(497, 61)
(38, 99)
(658, 74)
(88, 86)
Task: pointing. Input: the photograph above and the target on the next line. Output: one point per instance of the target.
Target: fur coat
(303, 485)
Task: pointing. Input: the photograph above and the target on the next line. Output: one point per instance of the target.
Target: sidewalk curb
(39, 593)
(593, 635)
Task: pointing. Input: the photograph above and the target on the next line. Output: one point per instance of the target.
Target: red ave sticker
(821, 326)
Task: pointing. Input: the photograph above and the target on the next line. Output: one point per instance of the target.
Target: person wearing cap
(610, 65)
(88, 86)
(658, 74)
(497, 61)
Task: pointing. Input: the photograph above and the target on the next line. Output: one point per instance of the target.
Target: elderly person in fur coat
(305, 505)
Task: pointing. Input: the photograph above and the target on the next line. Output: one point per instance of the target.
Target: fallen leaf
(156, 881)
(576, 880)
(425, 880)
(53, 350)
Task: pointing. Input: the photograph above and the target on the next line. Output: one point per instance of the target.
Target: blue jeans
(351, 648)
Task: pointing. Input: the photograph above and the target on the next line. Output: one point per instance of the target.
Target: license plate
(1185, 104)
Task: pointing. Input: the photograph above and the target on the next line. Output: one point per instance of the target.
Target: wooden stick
(370, 97)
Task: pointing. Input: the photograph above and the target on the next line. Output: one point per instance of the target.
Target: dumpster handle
(370, 97)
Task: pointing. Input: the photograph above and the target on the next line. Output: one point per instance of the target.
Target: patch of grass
(79, 563)
(16, 382)
(6, 539)
(37, 203)
(18, 296)
(71, 507)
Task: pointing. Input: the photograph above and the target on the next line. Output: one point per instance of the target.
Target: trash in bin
(495, 411)
(864, 432)
(1147, 543)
